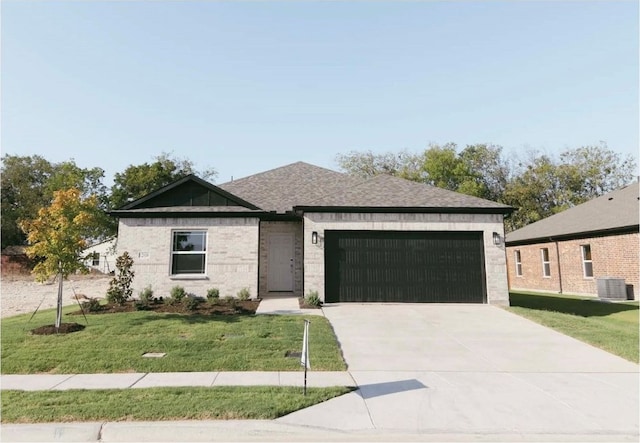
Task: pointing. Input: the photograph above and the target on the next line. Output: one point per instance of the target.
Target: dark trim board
(404, 209)
(574, 236)
(405, 266)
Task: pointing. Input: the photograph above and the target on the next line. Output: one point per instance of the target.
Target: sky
(243, 87)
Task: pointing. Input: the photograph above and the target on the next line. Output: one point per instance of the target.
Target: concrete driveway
(466, 371)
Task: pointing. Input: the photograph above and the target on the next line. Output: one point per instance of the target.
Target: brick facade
(495, 264)
(231, 256)
(612, 256)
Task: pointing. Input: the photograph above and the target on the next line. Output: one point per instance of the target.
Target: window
(188, 252)
(546, 265)
(587, 264)
(95, 259)
(518, 263)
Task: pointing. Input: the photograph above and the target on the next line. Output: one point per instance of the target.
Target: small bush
(146, 295)
(244, 294)
(230, 300)
(178, 293)
(213, 295)
(191, 303)
(141, 305)
(170, 301)
(91, 305)
(120, 286)
(312, 299)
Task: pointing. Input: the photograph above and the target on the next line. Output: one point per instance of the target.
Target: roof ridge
(257, 174)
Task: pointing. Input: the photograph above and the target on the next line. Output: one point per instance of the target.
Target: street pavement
(424, 373)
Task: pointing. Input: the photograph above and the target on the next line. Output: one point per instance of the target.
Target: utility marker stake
(304, 357)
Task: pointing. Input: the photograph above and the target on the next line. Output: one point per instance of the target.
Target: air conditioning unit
(612, 288)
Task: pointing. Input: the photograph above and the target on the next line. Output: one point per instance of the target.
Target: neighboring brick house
(569, 251)
(302, 228)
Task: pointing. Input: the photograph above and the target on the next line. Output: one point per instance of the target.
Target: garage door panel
(398, 266)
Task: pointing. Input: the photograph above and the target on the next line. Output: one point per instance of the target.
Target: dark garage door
(394, 266)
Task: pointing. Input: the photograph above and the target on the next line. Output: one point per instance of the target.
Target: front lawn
(609, 326)
(115, 343)
(154, 404)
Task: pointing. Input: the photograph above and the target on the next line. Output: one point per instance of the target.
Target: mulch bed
(247, 307)
(65, 328)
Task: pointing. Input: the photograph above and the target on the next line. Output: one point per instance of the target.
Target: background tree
(367, 164)
(139, 180)
(543, 186)
(488, 171)
(537, 186)
(28, 184)
(58, 235)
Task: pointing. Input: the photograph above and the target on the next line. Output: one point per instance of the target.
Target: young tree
(139, 180)
(58, 235)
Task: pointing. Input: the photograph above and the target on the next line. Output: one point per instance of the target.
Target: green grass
(115, 343)
(160, 403)
(609, 326)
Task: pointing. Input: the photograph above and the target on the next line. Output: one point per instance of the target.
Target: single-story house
(302, 228)
(101, 256)
(571, 251)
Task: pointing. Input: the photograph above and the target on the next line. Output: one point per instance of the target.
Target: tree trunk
(59, 307)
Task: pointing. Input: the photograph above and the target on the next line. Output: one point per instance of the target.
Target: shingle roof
(389, 191)
(614, 211)
(282, 188)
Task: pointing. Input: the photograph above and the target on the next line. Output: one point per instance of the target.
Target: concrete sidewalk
(60, 382)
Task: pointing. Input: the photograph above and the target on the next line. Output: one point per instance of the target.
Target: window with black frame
(188, 254)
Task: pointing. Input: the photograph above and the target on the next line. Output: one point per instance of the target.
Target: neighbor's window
(587, 264)
(95, 259)
(188, 252)
(546, 265)
(518, 263)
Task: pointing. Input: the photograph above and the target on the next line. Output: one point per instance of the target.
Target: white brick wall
(232, 254)
(495, 261)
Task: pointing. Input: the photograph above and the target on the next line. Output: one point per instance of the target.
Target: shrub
(192, 303)
(244, 294)
(91, 305)
(170, 301)
(141, 305)
(230, 300)
(146, 295)
(120, 286)
(312, 299)
(213, 295)
(178, 293)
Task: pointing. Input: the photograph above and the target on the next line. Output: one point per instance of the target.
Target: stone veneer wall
(612, 256)
(495, 262)
(278, 227)
(231, 262)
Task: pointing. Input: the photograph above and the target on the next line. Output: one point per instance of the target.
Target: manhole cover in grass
(154, 354)
(293, 354)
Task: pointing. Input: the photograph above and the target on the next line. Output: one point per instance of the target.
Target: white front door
(280, 263)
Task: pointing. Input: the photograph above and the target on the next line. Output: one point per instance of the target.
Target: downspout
(559, 267)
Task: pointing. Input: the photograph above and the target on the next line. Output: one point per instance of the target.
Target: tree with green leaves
(58, 236)
(537, 186)
(28, 184)
(139, 180)
(543, 186)
(367, 164)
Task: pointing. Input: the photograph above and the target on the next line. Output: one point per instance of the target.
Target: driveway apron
(473, 369)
